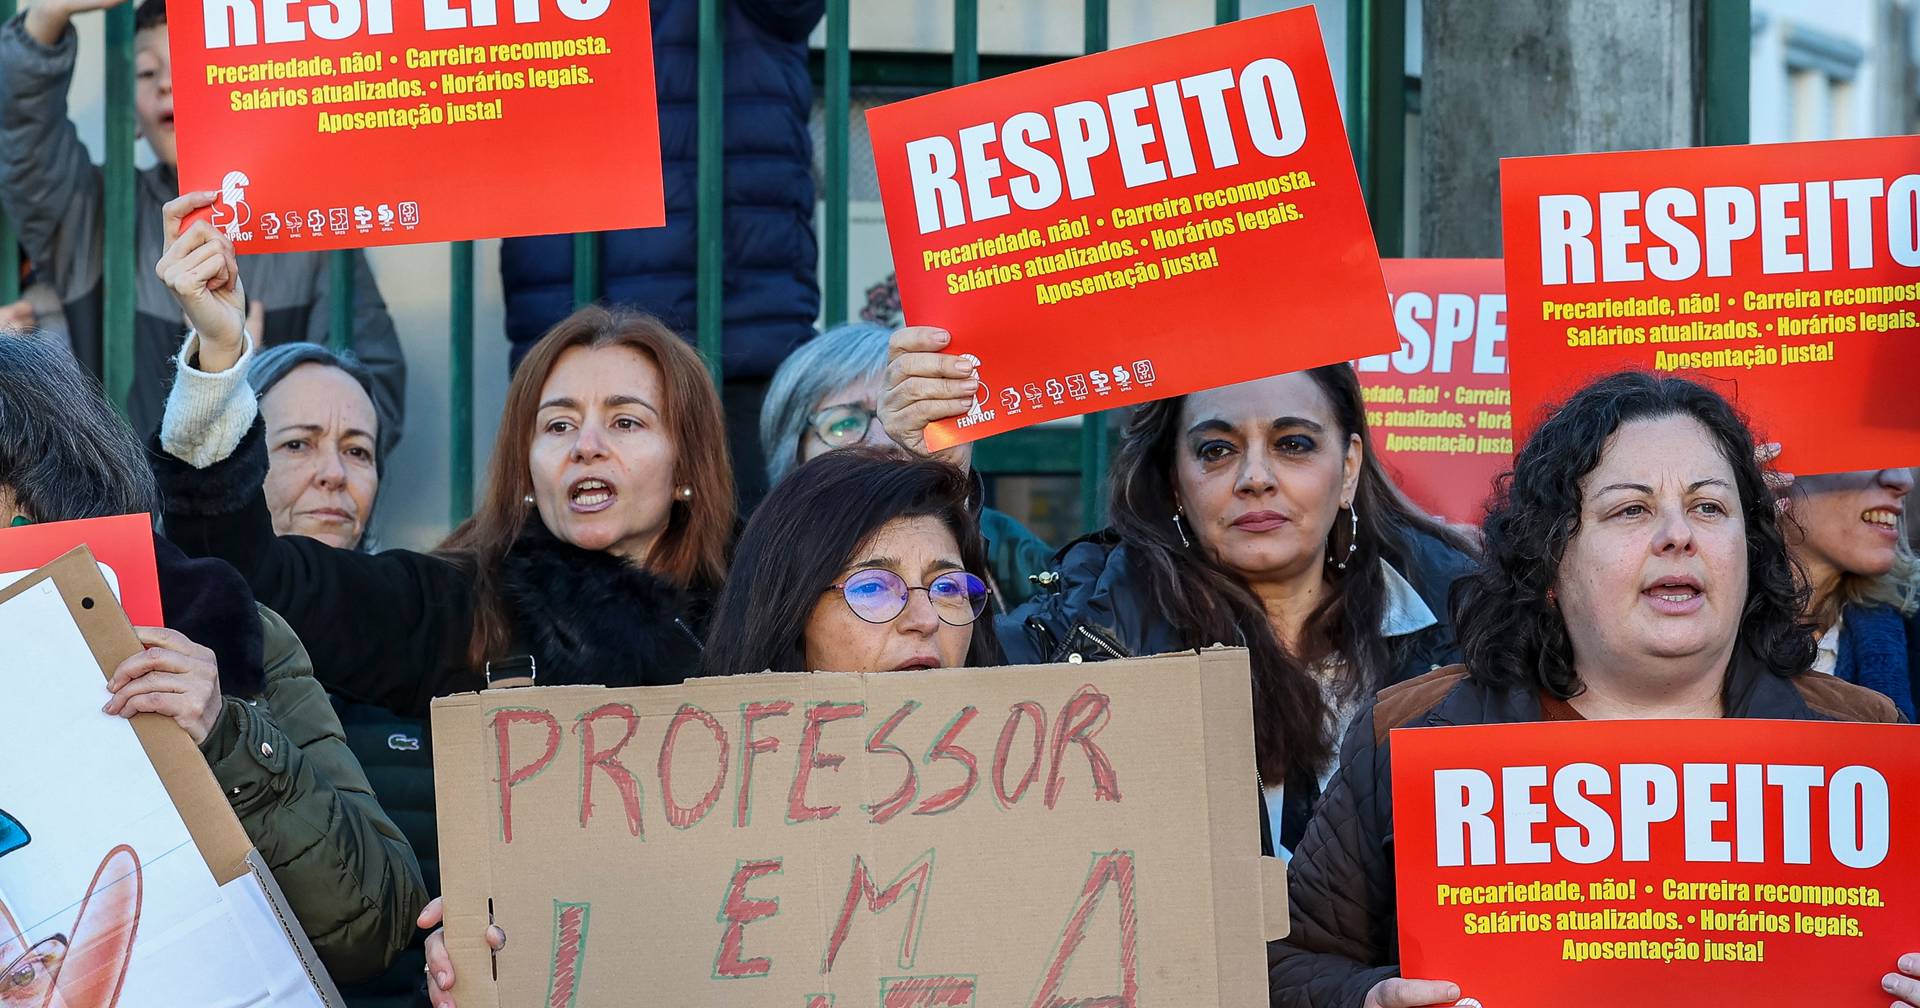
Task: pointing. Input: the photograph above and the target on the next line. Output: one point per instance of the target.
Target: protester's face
(153, 92)
(1848, 523)
(851, 423)
(1261, 469)
(1658, 567)
(918, 550)
(602, 459)
(321, 437)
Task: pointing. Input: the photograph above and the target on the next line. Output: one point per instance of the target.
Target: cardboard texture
(1043, 835)
(1585, 864)
(215, 834)
(1439, 408)
(1134, 224)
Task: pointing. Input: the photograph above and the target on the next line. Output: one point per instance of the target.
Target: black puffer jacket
(1340, 883)
(392, 628)
(1098, 605)
(397, 755)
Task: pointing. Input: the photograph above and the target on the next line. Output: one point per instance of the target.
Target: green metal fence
(1377, 89)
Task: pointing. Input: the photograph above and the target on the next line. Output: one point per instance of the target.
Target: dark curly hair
(1510, 634)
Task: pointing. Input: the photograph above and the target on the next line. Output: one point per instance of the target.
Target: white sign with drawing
(105, 901)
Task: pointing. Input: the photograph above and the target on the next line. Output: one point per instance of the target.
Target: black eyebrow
(1636, 487)
(1217, 425)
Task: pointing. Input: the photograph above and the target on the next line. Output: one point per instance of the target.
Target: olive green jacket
(282, 759)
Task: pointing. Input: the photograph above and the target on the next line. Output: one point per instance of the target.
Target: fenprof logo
(230, 210)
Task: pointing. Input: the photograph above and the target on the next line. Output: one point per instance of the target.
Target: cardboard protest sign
(125, 880)
(1588, 863)
(123, 544)
(1439, 407)
(1135, 224)
(370, 122)
(1049, 835)
(1790, 272)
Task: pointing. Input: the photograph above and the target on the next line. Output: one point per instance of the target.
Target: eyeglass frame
(66, 948)
(813, 422)
(985, 595)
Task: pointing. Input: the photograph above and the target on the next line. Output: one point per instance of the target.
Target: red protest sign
(1135, 224)
(1439, 407)
(363, 122)
(122, 544)
(1781, 269)
(1587, 863)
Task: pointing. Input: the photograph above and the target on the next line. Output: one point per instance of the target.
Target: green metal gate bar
(1093, 426)
(9, 240)
(460, 383)
(586, 268)
(710, 253)
(116, 321)
(1727, 48)
(966, 41)
(340, 279)
(838, 98)
(1377, 113)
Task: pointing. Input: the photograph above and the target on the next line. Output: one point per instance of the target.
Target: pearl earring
(685, 493)
(527, 500)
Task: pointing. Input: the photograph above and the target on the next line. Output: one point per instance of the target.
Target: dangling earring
(1553, 599)
(685, 493)
(1180, 527)
(1353, 536)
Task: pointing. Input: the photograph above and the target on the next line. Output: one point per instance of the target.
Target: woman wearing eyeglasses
(825, 396)
(861, 561)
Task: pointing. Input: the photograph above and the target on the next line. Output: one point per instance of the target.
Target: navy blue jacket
(770, 291)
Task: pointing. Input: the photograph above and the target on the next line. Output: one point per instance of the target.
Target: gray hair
(842, 356)
(274, 363)
(64, 453)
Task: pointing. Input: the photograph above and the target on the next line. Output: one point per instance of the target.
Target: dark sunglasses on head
(878, 595)
(842, 425)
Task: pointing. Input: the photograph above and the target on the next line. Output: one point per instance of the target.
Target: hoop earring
(1181, 527)
(1353, 537)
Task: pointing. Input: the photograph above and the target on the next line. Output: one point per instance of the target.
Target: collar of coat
(590, 617)
(1750, 691)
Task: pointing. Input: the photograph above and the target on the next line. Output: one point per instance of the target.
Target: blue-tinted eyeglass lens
(876, 595)
(958, 596)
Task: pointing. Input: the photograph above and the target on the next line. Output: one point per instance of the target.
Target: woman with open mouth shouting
(599, 536)
(1635, 569)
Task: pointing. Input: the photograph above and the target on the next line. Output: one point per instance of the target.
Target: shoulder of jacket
(1401, 703)
(283, 658)
(1843, 701)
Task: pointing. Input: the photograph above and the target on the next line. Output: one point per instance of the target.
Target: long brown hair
(1211, 604)
(690, 553)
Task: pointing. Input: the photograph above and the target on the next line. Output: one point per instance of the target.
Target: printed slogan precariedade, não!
(353, 123)
(1439, 407)
(1585, 864)
(1791, 271)
(1134, 224)
(1038, 836)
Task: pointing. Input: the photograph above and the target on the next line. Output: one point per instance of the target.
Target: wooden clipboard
(223, 843)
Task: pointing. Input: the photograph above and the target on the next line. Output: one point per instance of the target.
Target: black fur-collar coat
(394, 628)
(589, 617)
